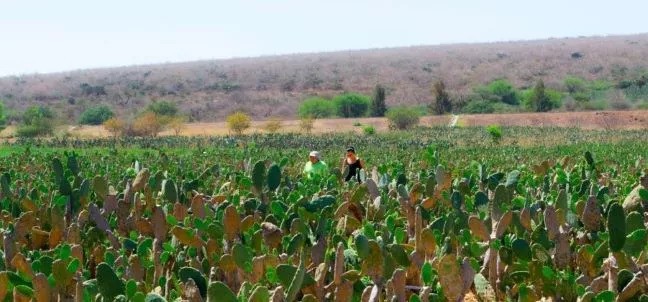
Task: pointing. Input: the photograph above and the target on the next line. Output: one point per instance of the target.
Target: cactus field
(443, 214)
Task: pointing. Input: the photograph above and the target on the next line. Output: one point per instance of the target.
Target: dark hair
(351, 149)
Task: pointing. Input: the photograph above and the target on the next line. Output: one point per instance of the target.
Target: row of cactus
(571, 229)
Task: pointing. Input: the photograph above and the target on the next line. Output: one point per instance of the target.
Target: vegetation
(275, 86)
(378, 106)
(369, 130)
(273, 125)
(115, 126)
(2, 116)
(233, 219)
(442, 103)
(317, 108)
(96, 115)
(238, 122)
(177, 124)
(306, 124)
(36, 121)
(147, 124)
(163, 108)
(495, 132)
(352, 104)
(402, 117)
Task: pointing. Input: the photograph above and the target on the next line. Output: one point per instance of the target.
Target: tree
(316, 107)
(96, 115)
(442, 103)
(351, 104)
(2, 116)
(177, 124)
(114, 125)
(36, 121)
(306, 124)
(147, 124)
(238, 122)
(402, 117)
(504, 92)
(540, 101)
(378, 106)
(273, 125)
(163, 108)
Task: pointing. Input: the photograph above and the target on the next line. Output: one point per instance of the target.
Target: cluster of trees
(345, 105)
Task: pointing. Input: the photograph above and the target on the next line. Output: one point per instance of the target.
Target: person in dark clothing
(353, 164)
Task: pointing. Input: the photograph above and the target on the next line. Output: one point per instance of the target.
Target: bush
(36, 121)
(402, 117)
(307, 124)
(504, 92)
(352, 104)
(114, 125)
(177, 124)
(478, 106)
(96, 115)
(238, 122)
(495, 132)
(163, 108)
(541, 99)
(147, 124)
(316, 108)
(369, 130)
(574, 84)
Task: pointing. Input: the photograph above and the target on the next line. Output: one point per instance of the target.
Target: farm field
(443, 214)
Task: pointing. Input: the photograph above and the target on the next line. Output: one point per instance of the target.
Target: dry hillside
(274, 86)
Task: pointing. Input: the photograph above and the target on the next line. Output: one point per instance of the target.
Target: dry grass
(585, 120)
(274, 86)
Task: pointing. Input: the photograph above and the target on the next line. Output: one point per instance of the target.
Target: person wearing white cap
(315, 165)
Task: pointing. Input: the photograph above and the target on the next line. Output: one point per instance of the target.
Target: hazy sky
(57, 35)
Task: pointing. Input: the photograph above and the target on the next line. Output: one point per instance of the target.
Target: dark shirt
(354, 170)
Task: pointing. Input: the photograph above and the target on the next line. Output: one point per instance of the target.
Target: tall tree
(378, 106)
(540, 101)
(442, 103)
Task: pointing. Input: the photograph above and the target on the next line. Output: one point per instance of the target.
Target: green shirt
(318, 168)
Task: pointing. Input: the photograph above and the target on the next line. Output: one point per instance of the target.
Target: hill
(273, 86)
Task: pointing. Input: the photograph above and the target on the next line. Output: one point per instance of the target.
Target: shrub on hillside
(96, 115)
(402, 117)
(316, 107)
(352, 104)
(478, 106)
(163, 108)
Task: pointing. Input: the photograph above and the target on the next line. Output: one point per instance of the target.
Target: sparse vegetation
(273, 125)
(147, 124)
(177, 124)
(306, 124)
(2, 116)
(369, 130)
(163, 108)
(238, 122)
(495, 132)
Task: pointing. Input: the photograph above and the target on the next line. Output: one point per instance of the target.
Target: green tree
(378, 106)
(504, 92)
(442, 102)
(96, 115)
(540, 100)
(574, 84)
(163, 108)
(36, 121)
(403, 117)
(316, 107)
(352, 104)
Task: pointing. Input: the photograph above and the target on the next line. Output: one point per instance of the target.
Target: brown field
(601, 120)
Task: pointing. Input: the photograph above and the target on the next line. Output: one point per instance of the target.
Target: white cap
(315, 154)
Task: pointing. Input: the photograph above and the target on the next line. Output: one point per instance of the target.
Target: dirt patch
(600, 120)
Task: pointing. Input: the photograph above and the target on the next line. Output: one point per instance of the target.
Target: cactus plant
(110, 286)
(616, 226)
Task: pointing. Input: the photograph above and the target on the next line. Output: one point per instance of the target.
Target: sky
(60, 35)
